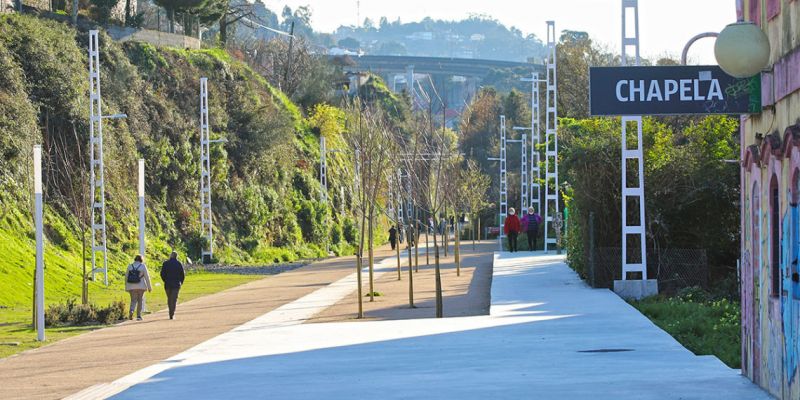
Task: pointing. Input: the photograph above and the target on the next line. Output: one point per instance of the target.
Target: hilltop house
(770, 219)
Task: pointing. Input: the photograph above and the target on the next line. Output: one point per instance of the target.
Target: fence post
(591, 249)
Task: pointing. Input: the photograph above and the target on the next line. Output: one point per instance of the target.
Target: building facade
(770, 219)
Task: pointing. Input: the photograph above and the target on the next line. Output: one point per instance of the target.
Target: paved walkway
(71, 365)
(549, 336)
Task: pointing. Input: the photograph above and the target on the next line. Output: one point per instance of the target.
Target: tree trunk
(85, 286)
(359, 264)
(415, 232)
(474, 231)
(397, 248)
(427, 249)
(445, 233)
(127, 12)
(371, 259)
(172, 22)
(439, 312)
(74, 12)
(455, 248)
(410, 280)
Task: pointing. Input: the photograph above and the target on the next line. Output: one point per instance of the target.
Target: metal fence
(674, 268)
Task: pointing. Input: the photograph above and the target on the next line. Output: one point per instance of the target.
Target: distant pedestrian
(172, 274)
(393, 237)
(137, 280)
(512, 228)
(530, 225)
(410, 236)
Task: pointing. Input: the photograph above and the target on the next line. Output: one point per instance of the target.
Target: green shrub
(71, 313)
(111, 313)
(350, 231)
(336, 233)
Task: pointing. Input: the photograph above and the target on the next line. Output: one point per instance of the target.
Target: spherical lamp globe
(742, 49)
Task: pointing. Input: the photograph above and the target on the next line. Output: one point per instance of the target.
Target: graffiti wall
(770, 217)
(770, 284)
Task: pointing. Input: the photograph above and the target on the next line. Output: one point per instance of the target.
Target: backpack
(133, 275)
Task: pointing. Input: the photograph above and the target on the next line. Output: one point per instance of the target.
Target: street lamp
(742, 48)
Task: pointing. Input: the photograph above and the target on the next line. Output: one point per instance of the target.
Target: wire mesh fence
(674, 268)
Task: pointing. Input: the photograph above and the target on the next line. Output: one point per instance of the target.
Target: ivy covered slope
(264, 186)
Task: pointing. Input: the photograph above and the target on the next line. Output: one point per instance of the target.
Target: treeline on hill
(266, 192)
(692, 194)
(478, 36)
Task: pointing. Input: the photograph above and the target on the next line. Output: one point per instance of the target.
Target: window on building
(775, 243)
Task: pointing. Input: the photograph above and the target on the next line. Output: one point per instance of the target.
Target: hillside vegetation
(265, 190)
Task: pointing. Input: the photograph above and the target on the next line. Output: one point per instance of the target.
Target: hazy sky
(665, 25)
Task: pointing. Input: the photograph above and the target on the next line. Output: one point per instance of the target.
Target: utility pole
(206, 216)
(535, 170)
(551, 191)
(96, 166)
(503, 180)
(633, 229)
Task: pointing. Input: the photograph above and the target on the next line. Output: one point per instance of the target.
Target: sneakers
(130, 316)
(138, 318)
(171, 317)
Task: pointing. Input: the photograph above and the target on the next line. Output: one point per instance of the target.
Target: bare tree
(367, 139)
(475, 185)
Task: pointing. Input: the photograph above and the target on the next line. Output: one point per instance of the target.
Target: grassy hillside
(264, 185)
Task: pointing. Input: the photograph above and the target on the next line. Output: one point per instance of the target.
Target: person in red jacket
(512, 228)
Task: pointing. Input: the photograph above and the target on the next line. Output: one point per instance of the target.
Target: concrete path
(549, 336)
(93, 359)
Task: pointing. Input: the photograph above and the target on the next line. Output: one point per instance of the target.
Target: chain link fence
(674, 268)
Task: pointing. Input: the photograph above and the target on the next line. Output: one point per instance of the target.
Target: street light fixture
(742, 49)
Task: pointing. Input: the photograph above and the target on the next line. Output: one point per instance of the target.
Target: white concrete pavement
(548, 336)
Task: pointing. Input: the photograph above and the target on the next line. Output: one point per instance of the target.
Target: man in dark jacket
(172, 274)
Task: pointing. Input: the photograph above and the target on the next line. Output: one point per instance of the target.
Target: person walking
(530, 225)
(172, 274)
(410, 236)
(393, 237)
(137, 280)
(512, 228)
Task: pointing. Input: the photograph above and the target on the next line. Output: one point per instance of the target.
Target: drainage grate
(604, 351)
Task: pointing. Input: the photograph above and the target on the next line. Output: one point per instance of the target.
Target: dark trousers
(532, 236)
(512, 241)
(172, 299)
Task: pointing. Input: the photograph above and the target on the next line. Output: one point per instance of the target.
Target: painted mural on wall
(770, 286)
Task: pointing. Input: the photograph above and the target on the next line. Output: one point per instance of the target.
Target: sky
(665, 25)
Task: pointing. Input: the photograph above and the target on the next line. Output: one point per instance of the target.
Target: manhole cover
(604, 350)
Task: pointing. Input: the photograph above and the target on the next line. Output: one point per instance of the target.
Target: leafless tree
(367, 138)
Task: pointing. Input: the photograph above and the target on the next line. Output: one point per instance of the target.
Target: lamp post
(39, 275)
(685, 52)
(141, 206)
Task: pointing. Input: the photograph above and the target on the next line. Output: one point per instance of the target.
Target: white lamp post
(141, 207)
(37, 190)
(742, 48)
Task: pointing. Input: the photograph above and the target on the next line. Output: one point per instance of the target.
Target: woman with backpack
(137, 280)
(530, 225)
